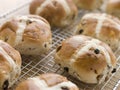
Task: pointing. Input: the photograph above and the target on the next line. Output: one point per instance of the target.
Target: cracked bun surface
(59, 13)
(47, 81)
(30, 35)
(86, 58)
(10, 65)
(101, 26)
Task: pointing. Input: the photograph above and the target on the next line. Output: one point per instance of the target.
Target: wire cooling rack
(35, 65)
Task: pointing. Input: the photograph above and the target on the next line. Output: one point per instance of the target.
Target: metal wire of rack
(35, 65)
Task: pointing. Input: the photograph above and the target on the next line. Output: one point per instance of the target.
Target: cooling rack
(35, 65)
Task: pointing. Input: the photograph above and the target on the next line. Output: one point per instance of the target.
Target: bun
(101, 26)
(30, 35)
(88, 4)
(113, 7)
(59, 13)
(118, 87)
(47, 82)
(10, 65)
(88, 59)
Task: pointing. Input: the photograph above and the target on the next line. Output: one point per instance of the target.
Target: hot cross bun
(10, 65)
(101, 26)
(88, 4)
(59, 13)
(47, 81)
(30, 35)
(86, 58)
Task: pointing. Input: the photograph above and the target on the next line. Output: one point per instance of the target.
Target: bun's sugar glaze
(59, 13)
(86, 58)
(47, 82)
(88, 5)
(113, 7)
(101, 26)
(22, 25)
(30, 35)
(10, 65)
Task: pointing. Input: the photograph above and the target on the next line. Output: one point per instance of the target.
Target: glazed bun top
(28, 34)
(101, 26)
(10, 65)
(47, 81)
(81, 44)
(59, 13)
(88, 59)
(88, 4)
(113, 7)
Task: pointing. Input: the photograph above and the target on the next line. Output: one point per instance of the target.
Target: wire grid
(35, 65)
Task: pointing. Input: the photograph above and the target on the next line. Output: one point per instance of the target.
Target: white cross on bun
(59, 13)
(86, 58)
(101, 26)
(48, 81)
(118, 87)
(30, 35)
(10, 65)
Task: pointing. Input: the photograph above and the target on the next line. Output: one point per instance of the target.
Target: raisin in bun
(10, 65)
(47, 81)
(101, 26)
(31, 35)
(88, 4)
(86, 58)
(113, 7)
(59, 13)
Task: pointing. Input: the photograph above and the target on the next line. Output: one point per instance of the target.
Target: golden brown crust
(12, 53)
(34, 5)
(70, 46)
(118, 88)
(8, 30)
(55, 12)
(49, 9)
(36, 32)
(113, 7)
(89, 5)
(109, 30)
(8, 71)
(12, 25)
(33, 30)
(73, 8)
(50, 79)
(113, 58)
(53, 79)
(83, 55)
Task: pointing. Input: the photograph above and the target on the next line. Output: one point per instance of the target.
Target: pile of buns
(107, 6)
(102, 26)
(88, 55)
